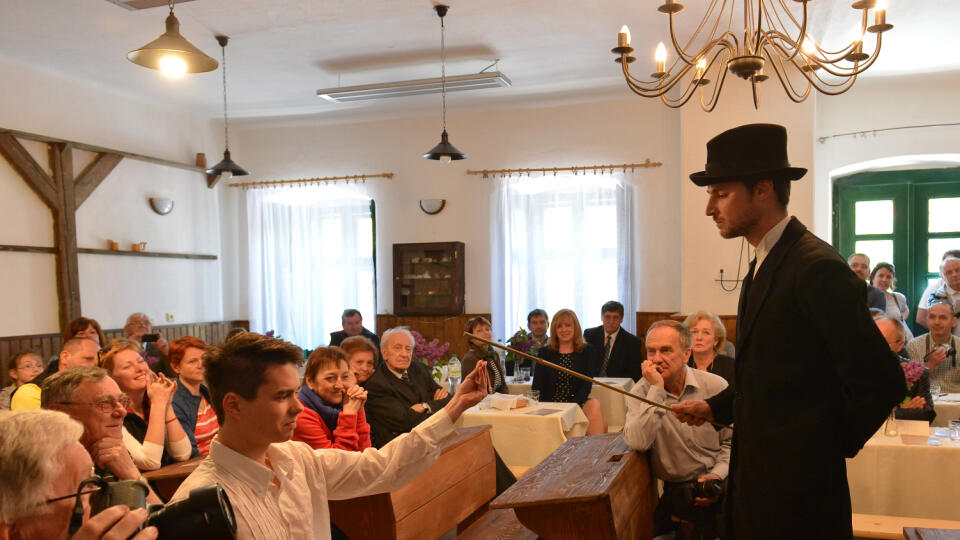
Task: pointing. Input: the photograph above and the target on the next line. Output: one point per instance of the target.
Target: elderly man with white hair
(155, 348)
(401, 393)
(946, 288)
(42, 462)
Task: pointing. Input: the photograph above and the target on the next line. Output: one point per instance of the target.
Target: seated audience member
(538, 323)
(478, 350)
(884, 277)
(934, 287)
(85, 328)
(402, 393)
(620, 351)
(279, 488)
(333, 415)
(42, 464)
(708, 337)
(681, 456)
(363, 357)
(938, 349)
(155, 352)
(75, 352)
(24, 368)
(191, 401)
(918, 405)
(152, 434)
(352, 323)
(567, 348)
(92, 398)
(860, 264)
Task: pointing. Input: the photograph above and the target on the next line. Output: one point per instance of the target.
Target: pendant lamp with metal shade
(444, 152)
(171, 53)
(226, 167)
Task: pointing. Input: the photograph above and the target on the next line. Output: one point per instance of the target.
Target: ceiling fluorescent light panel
(364, 92)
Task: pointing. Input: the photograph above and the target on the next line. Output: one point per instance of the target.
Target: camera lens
(206, 509)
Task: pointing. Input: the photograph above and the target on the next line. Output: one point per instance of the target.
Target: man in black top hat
(814, 377)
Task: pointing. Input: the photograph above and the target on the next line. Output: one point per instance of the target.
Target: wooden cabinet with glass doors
(428, 279)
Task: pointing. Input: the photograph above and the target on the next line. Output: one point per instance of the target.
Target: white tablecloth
(613, 404)
(889, 477)
(523, 439)
(947, 407)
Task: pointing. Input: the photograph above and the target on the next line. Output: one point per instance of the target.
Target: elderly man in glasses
(92, 398)
(75, 352)
(42, 463)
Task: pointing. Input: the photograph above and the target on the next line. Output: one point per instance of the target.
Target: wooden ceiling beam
(93, 175)
(28, 169)
(65, 233)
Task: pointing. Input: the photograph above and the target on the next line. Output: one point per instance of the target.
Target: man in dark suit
(401, 393)
(352, 323)
(621, 353)
(814, 377)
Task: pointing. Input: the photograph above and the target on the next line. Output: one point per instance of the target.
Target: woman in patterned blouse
(477, 350)
(567, 348)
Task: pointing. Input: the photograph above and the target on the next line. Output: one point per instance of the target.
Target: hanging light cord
(226, 132)
(170, 5)
(443, 72)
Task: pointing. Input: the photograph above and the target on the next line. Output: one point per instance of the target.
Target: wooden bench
(461, 481)
(497, 525)
(891, 527)
(591, 487)
(166, 480)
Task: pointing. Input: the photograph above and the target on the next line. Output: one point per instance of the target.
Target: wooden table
(591, 487)
(524, 438)
(613, 404)
(166, 480)
(462, 480)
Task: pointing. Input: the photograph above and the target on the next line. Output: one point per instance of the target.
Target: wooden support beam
(28, 169)
(93, 174)
(65, 233)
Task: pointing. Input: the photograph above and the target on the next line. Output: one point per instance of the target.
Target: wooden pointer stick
(573, 373)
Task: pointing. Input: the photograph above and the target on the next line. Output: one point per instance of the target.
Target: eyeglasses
(106, 405)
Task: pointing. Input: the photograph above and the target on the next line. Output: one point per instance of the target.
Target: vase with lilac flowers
(430, 353)
(525, 342)
(912, 371)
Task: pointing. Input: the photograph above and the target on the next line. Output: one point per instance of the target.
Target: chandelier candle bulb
(701, 65)
(623, 39)
(661, 56)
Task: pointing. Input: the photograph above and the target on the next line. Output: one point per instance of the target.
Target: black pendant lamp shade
(227, 165)
(445, 149)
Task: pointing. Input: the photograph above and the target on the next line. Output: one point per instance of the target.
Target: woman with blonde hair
(567, 348)
(707, 339)
(151, 431)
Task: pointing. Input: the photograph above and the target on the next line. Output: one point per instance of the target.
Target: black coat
(336, 338)
(389, 399)
(625, 356)
(545, 378)
(814, 381)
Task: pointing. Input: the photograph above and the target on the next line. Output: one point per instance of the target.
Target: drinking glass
(935, 390)
(955, 430)
(524, 373)
(532, 395)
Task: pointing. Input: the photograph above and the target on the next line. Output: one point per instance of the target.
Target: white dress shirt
(678, 452)
(768, 241)
(288, 500)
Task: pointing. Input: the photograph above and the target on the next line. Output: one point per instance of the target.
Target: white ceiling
(282, 51)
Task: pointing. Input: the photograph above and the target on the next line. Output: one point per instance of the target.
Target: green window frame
(910, 191)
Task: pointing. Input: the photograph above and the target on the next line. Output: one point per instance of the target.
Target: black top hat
(750, 152)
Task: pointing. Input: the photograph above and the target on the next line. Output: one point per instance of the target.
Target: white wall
(880, 103)
(622, 131)
(110, 287)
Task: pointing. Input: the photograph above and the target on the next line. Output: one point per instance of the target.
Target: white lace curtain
(310, 257)
(562, 242)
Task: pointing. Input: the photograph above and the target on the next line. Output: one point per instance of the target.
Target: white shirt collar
(768, 241)
(613, 336)
(397, 374)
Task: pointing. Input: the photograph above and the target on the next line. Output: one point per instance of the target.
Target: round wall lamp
(161, 205)
(432, 206)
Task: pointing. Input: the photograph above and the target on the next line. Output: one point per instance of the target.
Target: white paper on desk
(914, 427)
(503, 402)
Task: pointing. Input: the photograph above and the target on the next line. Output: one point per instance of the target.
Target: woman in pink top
(333, 415)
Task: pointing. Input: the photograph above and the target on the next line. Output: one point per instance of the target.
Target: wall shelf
(91, 251)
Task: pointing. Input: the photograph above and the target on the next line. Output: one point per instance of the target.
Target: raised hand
(651, 374)
(111, 454)
(353, 399)
(695, 413)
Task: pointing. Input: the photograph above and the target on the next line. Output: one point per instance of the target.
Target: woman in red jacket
(333, 414)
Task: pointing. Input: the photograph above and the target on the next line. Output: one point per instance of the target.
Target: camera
(685, 493)
(950, 351)
(206, 509)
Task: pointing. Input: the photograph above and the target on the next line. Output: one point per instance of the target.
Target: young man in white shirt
(280, 488)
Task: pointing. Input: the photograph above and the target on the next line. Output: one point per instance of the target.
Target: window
(561, 242)
(908, 218)
(311, 256)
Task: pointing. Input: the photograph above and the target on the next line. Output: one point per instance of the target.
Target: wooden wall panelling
(444, 328)
(646, 318)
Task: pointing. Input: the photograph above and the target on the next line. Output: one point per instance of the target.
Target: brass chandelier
(773, 38)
